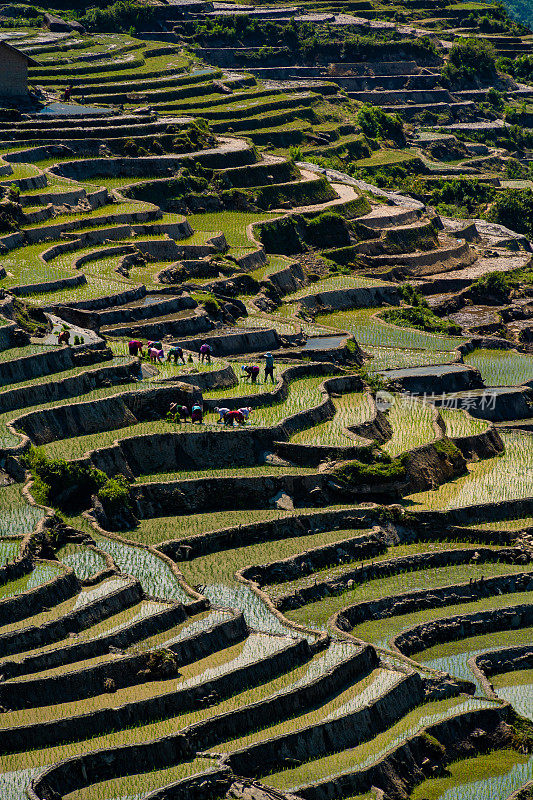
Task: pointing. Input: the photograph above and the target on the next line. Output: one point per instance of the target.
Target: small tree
(514, 208)
(471, 60)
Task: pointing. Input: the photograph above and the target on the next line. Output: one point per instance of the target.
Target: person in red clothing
(63, 337)
(234, 416)
(251, 372)
(135, 347)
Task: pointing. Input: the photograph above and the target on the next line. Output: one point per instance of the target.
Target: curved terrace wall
(409, 602)
(296, 652)
(108, 413)
(421, 561)
(31, 602)
(73, 386)
(412, 762)
(35, 636)
(462, 626)
(265, 531)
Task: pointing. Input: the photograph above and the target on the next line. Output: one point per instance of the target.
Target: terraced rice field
(459, 424)
(318, 613)
(502, 367)
(208, 604)
(370, 330)
(515, 687)
(497, 479)
(412, 423)
(350, 410)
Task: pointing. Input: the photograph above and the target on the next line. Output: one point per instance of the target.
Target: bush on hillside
(468, 194)
(514, 209)
(120, 17)
(470, 61)
(384, 470)
(422, 318)
(326, 230)
(281, 236)
(70, 484)
(520, 67)
(375, 123)
(494, 284)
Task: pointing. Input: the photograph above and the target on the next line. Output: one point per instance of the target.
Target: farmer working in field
(156, 356)
(175, 353)
(269, 366)
(205, 353)
(197, 414)
(251, 372)
(135, 347)
(234, 416)
(221, 414)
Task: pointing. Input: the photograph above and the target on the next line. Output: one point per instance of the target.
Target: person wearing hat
(269, 366)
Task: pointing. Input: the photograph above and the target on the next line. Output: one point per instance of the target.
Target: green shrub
(448, 449)
(375, 124)
(208, 301)
(386, 470)
(514, 208)
(122, 17)
(295, 153)
(411, 296)
(494, 283)
(495, 98)
(422, 318)
(11, 214)
(519, 67)
(57, 477)
(281, 236)
(70, 484)
(115, 494)
(30, 318)
(470, 194)
(516, 170)
(471, 60)
(326, 230)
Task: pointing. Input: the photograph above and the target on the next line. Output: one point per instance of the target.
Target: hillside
(266, 401)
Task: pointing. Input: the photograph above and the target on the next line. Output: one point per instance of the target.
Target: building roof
(29, 59)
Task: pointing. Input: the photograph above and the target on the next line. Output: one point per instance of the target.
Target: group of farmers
(226, 416)
(181, 413)
(156, 354)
